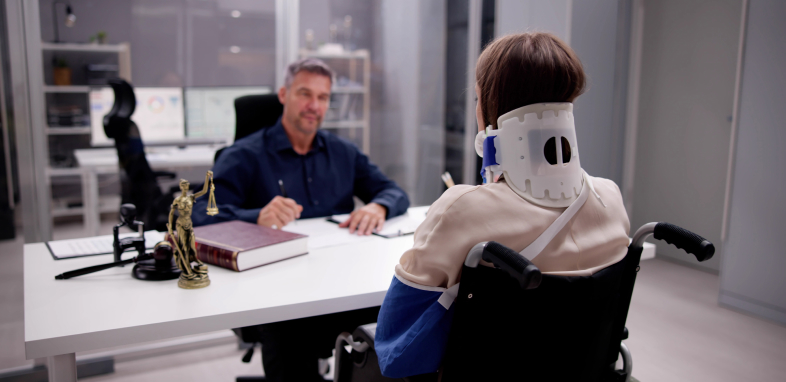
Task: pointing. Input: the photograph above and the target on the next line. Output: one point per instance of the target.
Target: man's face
(305, 101)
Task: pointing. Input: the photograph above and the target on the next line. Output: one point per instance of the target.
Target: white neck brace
(519, 146)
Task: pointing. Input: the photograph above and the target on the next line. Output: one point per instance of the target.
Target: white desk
(94, 162)
(110, 308)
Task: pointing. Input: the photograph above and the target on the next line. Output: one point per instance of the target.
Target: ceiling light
(235, 13)
(234, 49)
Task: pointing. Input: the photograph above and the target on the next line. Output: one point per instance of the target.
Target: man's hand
(365, 220)
(279, 212)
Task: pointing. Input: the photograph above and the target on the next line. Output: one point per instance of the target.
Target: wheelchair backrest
(563, 330)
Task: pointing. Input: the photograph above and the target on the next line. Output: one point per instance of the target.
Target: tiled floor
(678, 332)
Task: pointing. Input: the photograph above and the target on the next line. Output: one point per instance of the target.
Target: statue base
(195, 283)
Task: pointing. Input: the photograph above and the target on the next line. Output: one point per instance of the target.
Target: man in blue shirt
(321, 173)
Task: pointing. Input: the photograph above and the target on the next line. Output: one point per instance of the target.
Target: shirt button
(316, 202)
(309, 180)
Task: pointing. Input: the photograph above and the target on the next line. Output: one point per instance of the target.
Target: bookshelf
(64, 178)
(352, 92)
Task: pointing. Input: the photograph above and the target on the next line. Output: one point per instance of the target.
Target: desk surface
(110, 308)
(194, 155)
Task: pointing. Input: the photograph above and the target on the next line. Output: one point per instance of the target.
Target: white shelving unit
(356, 60)
(74, 175)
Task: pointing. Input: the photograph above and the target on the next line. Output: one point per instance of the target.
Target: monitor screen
(210, 111)
(158, 114)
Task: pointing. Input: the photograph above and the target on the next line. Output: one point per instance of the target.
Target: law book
(239, 246)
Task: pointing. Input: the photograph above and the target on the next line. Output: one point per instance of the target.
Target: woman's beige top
(463, 216)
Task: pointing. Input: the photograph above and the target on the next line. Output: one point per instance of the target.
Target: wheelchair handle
(680, 237)
(527, 274)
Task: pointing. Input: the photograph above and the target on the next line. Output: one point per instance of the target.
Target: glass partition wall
(399, 95)
(405, 45)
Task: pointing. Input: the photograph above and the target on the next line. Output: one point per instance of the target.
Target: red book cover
(222, 244)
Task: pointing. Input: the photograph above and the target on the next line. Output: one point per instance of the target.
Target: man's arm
(372, 186)
(383, 198)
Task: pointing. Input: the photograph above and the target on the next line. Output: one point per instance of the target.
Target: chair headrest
(117, 120)
(255, 112)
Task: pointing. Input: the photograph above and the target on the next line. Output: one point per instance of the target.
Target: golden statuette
(192, 276)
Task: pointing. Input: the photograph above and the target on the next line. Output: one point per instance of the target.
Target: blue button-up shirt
(323, 181)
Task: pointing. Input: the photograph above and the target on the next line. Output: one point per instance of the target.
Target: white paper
(400, 225)
(99, 245)
(322, 234)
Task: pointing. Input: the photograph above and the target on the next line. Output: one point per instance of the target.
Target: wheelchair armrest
(366, 332)
(164, 174)
(520, 268)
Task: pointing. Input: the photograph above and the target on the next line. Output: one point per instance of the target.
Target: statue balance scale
(193, 271)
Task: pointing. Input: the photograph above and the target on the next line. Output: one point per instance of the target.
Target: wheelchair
(513, 323)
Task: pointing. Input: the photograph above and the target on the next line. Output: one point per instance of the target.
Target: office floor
(678, 332)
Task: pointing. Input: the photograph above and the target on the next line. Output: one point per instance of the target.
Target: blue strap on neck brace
(489, 155)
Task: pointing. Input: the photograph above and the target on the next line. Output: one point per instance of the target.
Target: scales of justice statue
(192, 276)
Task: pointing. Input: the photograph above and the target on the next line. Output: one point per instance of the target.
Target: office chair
(513, 323)
(253, 113)
(138, 182)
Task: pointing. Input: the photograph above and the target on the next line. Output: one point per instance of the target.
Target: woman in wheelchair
(535, 199)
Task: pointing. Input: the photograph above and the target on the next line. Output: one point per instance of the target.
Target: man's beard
(301, 123)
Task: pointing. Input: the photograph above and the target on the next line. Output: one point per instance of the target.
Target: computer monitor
(158, 114)
(210, 111)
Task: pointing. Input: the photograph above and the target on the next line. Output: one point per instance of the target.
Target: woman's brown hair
(522, 69)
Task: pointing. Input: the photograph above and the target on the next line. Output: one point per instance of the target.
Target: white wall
(754, 255)
(516, 16)
(598, 33)
(689, 57)
(409, 125)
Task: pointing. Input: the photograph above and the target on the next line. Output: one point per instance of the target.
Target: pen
(281, 185)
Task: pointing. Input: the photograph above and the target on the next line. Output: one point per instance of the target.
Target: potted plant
(101, 37)
(62, 73)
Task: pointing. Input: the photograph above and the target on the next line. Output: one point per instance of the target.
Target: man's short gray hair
(308, 64)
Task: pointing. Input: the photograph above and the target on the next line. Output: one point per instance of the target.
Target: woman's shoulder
(461, 201)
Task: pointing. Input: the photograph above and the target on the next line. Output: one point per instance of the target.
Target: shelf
(66, 89)
(68, 130)
(343, 124)
(66, 211)
(360, 53)
(348, 89)
(73, 47)
(63, 171)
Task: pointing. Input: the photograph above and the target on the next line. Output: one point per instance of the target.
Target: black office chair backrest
(118, 120)
(138, 182)
(255, 112)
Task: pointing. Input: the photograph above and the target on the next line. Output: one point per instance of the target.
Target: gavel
(160, 268)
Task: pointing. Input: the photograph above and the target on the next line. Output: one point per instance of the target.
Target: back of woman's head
(523, 69)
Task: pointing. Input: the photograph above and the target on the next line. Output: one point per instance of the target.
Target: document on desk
(322, 234)
(98, 245)
(405, 224)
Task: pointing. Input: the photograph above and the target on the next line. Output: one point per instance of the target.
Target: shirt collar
(280, 141)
